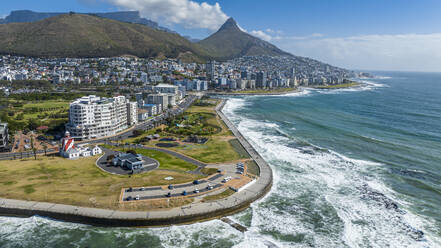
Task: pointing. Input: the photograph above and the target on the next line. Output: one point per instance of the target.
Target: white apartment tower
(93, 117)
(132, 113)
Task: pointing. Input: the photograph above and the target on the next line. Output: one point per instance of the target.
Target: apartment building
(94, 117)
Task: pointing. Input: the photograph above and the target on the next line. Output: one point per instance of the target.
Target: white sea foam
(344, 184)
(317, 195)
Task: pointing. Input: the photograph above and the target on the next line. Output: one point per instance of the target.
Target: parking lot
(228, 176)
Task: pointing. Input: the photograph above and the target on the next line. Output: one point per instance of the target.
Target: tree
(34, 150)
(45, 149)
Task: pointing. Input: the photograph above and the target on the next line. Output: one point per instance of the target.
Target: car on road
(168, 194)
(137, 197)
(170, 186)
(210, 187)
(196, 190)
(184, 192)
(129, 198)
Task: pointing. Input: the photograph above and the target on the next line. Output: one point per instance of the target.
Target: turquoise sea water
(354, 167)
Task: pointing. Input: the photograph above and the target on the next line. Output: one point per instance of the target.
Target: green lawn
(77, 182)
(218, 148)
(265, 91)
(253, 168)
(31, 114)
(237, 146)
(338, 86)
(47, 104)
(215, 150)
(166, 161)
(219, 196)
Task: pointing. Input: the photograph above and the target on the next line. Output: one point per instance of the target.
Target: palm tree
(45, 149)
(34, 150)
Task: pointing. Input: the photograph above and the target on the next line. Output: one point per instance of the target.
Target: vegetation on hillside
(77, 35)
(231, 42)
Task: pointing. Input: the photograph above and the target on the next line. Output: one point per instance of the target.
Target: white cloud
(261, 34)
(413, 52)
(188, 13)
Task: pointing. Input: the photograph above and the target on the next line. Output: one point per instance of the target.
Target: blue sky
(356, 34)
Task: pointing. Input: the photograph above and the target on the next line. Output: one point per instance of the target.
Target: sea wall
(187, 214)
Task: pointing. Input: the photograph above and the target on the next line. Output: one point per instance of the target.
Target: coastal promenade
(186, 214)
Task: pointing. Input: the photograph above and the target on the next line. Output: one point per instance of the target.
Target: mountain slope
(77, 35)
(123, 16)
(231, 42)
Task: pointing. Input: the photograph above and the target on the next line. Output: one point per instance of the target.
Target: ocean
(358, 167)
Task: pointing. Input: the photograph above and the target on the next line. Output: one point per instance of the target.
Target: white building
(70, 151)
(94, 117)
(132, 113)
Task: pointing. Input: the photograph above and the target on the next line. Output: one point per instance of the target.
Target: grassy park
(29, 111)
(200, 120)
(339, 86)
(81, 182)
(166, 161)
(222, 195)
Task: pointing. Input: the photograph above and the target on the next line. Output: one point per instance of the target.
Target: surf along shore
(182, 215)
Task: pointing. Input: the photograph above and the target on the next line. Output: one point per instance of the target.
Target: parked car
(168, 194)
(170, 186)
(196, 190)
(137, 197)
(226, 179)
(184, 192)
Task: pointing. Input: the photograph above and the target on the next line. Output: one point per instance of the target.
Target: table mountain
(78, 35)
(123, 16)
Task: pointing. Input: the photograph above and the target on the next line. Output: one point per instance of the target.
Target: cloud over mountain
(187, 13)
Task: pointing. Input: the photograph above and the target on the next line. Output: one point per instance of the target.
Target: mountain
(78, 35)
(123, 16)
(231, 42)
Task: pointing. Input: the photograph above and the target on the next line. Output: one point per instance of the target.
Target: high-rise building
(94, 117)
(210, 68)
(157, 99)
(246, 75)
(132, 113)
(261, 79)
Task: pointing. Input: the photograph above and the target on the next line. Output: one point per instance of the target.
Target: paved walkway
(190, 213)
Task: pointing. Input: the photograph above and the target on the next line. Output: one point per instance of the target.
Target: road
(175, 154)
(190, 213)
(149, 124)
